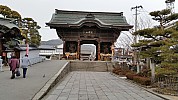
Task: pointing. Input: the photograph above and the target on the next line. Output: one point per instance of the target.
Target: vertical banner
(4, 54)
(27, 49)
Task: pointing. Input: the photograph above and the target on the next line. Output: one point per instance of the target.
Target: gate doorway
(88, 50)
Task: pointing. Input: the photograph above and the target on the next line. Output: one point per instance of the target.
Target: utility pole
(170, 5)
(136, 22)
(135, 37)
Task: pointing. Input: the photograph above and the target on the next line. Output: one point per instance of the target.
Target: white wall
(47, 52)
(33, 56)
(58, 51)
(32, 53)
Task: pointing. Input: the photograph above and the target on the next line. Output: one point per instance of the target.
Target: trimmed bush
(116, 70)
(130, 75)
(120, 71)
(142, 80)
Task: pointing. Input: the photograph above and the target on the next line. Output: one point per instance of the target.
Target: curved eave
(7, 22)
(6, 25)
(80, 24)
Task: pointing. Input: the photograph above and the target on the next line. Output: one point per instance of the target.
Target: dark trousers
(24, 72)
(13, 74)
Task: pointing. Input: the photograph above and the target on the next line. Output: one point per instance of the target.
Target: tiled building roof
(63, 18)
(6, 24)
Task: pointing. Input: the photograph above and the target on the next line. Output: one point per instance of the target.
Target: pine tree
(27, 26)
(161, 42)
(30, 31)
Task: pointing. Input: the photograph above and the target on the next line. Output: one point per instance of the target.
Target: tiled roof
(6, 24)
(20, 48)
(62, 18)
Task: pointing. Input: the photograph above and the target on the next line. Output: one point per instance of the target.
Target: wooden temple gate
(77, 27)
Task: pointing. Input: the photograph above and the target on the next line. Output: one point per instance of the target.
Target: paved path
(97, 86)
(24, 89)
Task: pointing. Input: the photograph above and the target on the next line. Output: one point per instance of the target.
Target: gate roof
(64, 18)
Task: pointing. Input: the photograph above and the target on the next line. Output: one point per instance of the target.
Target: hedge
(142, 80)
(130, 75)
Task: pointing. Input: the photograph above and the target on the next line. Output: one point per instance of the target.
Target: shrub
(145, 72)
(142, 80)
(130, 75)
(160, 72)
(120, 71)
(116, 70)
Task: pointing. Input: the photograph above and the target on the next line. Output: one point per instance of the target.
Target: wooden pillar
(78, 50)
(112, 50)
(99, 57)
(64, 49)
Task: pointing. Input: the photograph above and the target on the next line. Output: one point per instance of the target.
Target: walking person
(14, 64)
(24, 64)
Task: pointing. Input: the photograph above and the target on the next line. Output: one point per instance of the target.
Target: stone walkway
(24, 89)
(97, 86)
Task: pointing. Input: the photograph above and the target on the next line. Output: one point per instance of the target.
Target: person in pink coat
(13, 63)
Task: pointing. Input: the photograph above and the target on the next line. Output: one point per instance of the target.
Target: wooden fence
(168, 83)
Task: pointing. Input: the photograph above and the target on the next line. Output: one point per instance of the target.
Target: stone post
(152, 67)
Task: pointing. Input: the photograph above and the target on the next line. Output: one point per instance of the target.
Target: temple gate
(78, 27)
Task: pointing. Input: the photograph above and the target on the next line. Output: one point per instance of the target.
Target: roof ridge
(88, 12)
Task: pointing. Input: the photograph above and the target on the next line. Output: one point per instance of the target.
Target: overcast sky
(42, 10)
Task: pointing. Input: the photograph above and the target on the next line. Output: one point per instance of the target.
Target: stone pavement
(97, 86)
(24, 89)
(77, 85)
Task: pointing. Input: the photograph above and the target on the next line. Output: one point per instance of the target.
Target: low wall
(53, 81)
(98, 66)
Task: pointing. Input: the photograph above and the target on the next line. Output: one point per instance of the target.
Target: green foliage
(164, 71)
(141, 43)
(157, 43)
(161, 44)
(137, 44)
(8, 13)
(174, 35)
(172, 17)
(144, 32)
(176, 27)
(35, 39)
(28, 25)
(162, 16)
(14, 14)
(31, 28)
(5, 11)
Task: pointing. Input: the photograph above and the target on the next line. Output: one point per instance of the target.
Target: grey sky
(42, 10)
